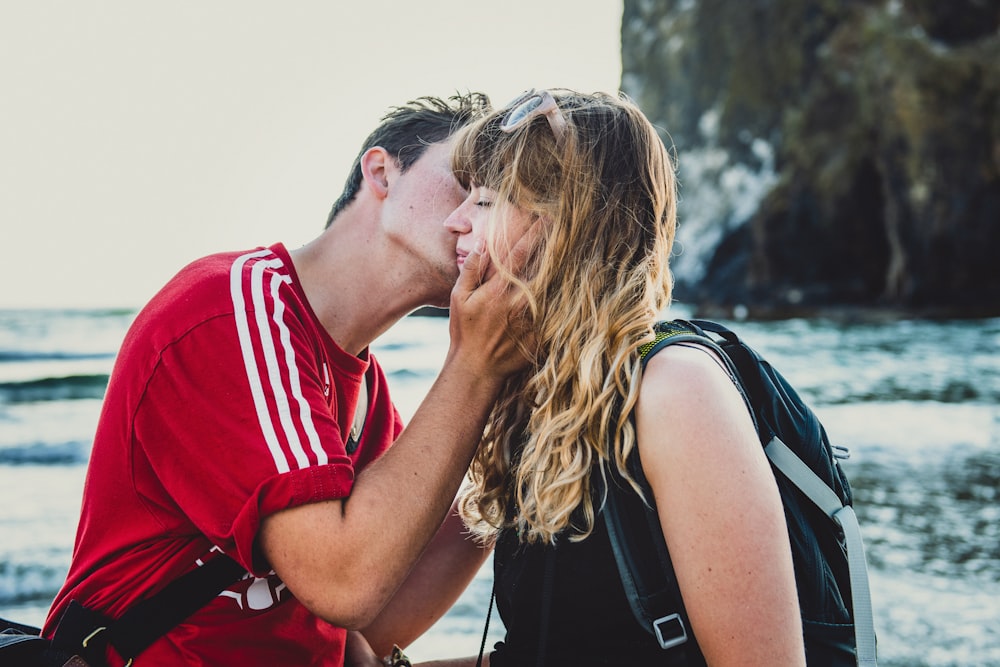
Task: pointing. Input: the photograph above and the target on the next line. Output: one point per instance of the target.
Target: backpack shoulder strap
(83, 630)
(634, 530)
(693, 333)
(644, 564)
(150, 619)
(673, 332)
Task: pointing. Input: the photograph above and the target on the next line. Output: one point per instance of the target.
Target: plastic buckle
(86, 640)
(840, 452)
(670, 631)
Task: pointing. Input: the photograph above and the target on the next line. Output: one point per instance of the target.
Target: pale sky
(136, 136)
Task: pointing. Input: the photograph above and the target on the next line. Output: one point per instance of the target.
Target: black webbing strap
(149, 619)
(486, 628)
(636, 537)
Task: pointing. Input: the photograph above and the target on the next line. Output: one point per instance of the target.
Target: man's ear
(375, 165)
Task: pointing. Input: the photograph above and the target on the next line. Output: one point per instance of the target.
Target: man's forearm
(345, 559)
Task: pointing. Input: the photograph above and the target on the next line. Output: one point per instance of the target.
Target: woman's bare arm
(720, 511)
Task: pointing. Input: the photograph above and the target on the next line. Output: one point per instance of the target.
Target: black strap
(486, 628)
(149, 619)
(634, 530)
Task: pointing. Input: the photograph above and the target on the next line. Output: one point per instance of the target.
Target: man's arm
(444, 571)
(344, 559)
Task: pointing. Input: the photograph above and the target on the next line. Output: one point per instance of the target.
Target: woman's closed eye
(484, 196)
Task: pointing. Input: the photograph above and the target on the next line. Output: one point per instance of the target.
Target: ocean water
(917, 403)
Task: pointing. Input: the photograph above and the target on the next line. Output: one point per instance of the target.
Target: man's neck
(353, 285)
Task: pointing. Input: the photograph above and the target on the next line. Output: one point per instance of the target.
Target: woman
(587, 179)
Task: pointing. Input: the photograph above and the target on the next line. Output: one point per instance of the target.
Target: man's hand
(486, 321)
(344, 559)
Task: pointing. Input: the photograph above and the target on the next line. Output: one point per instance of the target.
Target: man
(246, 416)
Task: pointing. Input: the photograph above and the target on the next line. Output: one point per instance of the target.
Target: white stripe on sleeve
(247, 349)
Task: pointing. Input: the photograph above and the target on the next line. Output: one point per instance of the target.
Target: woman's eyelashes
(484, 197)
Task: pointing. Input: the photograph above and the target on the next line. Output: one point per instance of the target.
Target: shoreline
(842, 314)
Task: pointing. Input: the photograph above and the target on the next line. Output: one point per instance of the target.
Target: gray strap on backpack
(799, 474)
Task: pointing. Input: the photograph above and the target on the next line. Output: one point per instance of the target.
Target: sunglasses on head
(532, 104)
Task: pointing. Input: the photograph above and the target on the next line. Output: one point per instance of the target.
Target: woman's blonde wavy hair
(604, 204)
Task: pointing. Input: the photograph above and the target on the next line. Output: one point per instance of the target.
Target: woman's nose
(457, 221)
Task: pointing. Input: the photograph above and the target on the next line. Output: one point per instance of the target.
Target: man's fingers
(521, 251)
(474, 269)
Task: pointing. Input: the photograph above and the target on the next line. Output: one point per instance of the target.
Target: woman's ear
(375, 164)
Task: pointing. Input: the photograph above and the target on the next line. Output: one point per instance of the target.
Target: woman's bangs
(481, 154)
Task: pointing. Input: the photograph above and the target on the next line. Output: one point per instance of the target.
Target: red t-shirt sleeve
(236, 427)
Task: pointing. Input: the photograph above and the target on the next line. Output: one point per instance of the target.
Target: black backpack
(827, 550)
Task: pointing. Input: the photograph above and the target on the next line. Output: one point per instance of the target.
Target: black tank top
(589, 622)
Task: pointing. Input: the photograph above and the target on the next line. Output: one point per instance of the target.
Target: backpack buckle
(670, 631)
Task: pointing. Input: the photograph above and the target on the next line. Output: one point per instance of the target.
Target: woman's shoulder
(684, 372)
(686, 395)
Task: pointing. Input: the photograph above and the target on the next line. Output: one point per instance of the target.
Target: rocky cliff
(832, 153)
